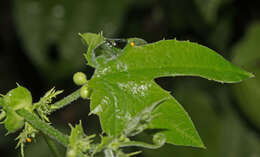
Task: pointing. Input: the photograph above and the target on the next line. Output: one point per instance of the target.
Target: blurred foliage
(246, 53)
(209, 8)
(43, 40)
(49, 30)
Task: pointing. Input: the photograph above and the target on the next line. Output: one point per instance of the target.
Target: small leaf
(18, 98)
(92, 41)
(43, 107)
(13, 122)
(76, 135)
(15, 99)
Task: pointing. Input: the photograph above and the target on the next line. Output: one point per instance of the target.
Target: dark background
(40, 48)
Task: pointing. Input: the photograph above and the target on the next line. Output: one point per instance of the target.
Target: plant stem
(2, 114)
(66, 101)
(52, 146)
(140, 144)
(109, 153)
(44, 127)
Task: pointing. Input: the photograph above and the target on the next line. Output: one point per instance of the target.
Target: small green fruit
(80, 78)
(85, 92)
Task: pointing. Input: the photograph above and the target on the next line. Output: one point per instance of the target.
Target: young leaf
(92, 41)
(79, 142)
(15, 99)
(43, 107)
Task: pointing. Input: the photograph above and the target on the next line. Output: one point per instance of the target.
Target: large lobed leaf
(123, 85)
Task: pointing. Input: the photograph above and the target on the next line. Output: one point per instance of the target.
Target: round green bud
(80, 78)
(84, 92)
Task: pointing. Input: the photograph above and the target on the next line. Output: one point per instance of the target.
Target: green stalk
(109, 153)
(2, 114)
(66, 101)
(140, 144)
(52, 146)
(44, 127)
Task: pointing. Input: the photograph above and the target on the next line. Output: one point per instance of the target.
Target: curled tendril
(120, 153)
(159, 140)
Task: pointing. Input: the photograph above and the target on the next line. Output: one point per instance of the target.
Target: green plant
(124, 96)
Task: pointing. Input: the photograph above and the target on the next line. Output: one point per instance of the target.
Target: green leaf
(171, 58)
(117, 103)
(43, 107)
(179, 129)
(13, 122)
(76, 135)
(18, 98)
(15, 99)
(123, 85)
(92, 41)
(80, 143)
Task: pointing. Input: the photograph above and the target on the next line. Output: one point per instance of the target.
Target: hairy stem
(66, 101)
(44, 127)
(52, 146)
